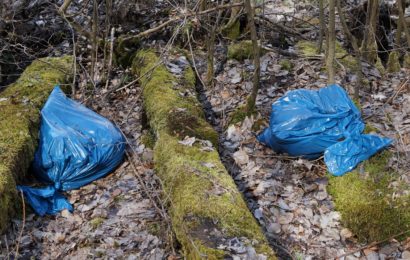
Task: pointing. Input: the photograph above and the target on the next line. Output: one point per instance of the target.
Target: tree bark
(211, 48)
(356, 49)
(331, 44)
(94, 39)
(369, 45)
(402, 22)
(322, 26)
(256, 59)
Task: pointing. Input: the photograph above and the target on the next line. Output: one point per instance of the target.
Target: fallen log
(207, 211)
(20, 105)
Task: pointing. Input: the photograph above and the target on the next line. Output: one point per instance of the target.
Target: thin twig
(402, 85)
(372, 244)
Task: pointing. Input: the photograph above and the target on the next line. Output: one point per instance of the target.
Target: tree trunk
(402, 22)
(211, 48)
(369, 45)
(94, 39)
(322, 26)
(256, 60)
(356, 48)
(331, 44)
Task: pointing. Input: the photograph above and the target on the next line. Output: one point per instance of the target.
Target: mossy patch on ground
(379, 65)
(96, 222)
(232, 32)
(309, 49)
(285, 64)
(239, 114)
(148, 139)
(370, 206)
(19, 120)
(240, 50)
(393, 63)
(206, 208)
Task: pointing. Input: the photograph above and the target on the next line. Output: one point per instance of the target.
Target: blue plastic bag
(308, 122)
(77, 146)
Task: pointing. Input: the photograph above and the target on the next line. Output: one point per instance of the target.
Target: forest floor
(124, 216)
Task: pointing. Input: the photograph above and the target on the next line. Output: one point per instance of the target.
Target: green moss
(124, 50)
(309, 49)
(241, 50)
(155, 229)
(346, 59)
(393, 64)
(371, 52)
(200, 193)
(406, 61)
(259, 124)
(356, 102)
(286, 64)
(239, 114)
(96, 222)
(167, 90)
(148, 139)
(181, 123)
(369, 129)
(379, 66)
(233, 32)
(19, 121)
(367, 202)
(203, 195)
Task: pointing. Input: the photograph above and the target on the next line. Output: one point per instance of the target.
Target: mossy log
(374, 205)
(206, 208)
(20, 105)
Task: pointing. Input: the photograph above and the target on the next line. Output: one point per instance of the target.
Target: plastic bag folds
(77, 146)
(309, 123)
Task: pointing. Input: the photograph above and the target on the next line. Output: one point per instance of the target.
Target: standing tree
(356, 49)
(402, 22)
(369, 45)
(331, 44)
(210, 45)
(322, 25)
(250, 107)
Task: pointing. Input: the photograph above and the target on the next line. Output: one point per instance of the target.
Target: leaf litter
(288, 196)
(118, 216)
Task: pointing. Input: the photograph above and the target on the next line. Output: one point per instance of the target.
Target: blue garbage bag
(309, 123)
(77, 146)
